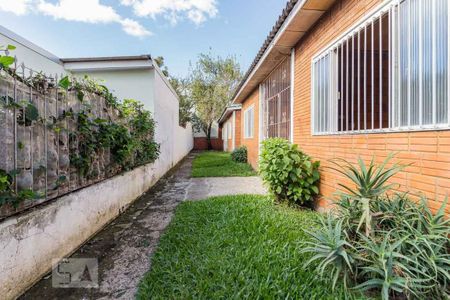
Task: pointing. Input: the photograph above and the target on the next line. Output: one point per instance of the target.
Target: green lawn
(219, 164)
(235, 247)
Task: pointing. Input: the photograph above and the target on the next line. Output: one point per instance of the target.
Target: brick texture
(252, 144)
(427, 152)
(200, 143)
(238, 129)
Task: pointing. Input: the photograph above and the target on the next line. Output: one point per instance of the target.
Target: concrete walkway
(124, 247)
(201, 188)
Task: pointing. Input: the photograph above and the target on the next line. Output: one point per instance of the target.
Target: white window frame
(249, 132)
(386, 7)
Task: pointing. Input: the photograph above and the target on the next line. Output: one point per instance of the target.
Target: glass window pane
(441, 61)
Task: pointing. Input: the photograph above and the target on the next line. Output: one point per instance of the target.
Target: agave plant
(371, 180)
(430, 246)
(384, 266)
(371, 183)
(395, 212)
(383, 242)
(331, 248)
(434, 224)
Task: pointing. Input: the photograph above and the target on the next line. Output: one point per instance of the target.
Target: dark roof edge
(107, 58)
(275, 29)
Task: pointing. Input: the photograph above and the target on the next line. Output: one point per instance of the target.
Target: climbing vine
(99, 133)
(130, 139)
(8, 195)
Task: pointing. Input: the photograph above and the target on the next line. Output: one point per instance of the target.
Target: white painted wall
(30, 241)
(175, 140)
(32, 55)
(153, 89)
(127, 84)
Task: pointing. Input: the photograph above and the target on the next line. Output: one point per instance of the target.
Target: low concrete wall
(30, 241)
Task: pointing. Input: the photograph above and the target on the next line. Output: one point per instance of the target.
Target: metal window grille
(276, 102)
(389, 73)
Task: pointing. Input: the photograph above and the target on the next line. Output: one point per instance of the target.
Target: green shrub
(383, 243)
(289, 173)
(8, 195)
(239, 155)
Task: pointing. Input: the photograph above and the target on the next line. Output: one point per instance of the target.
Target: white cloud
(134, 28)
(18, 7)
(87, 11)
(197, 11)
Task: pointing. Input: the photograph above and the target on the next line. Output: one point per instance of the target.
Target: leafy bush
(239, 155)
(289, 173)
(130, 139)
(6, 60)
(8, 195)
(382, 242)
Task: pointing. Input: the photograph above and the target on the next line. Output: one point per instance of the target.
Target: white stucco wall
(128, 84)
(32, 55)
(175, 140)
(30, 241)
(152, 88)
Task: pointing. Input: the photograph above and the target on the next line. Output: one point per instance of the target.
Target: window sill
(387, 131)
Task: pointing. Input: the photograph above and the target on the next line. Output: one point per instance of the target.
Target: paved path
(123, 248)
(202, 188)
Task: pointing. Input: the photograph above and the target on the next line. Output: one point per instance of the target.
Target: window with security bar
(389, 73)
(276, 102)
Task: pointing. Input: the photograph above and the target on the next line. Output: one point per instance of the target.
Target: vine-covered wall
(59, 135)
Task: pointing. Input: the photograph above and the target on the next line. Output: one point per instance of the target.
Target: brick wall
(200, 143)
(252, 144)
(429, 152)
(238, 129)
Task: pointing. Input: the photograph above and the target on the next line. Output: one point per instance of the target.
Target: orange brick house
(349, 78)
(230, 127)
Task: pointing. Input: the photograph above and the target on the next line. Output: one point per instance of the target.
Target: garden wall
(47, 133)
(30, 241)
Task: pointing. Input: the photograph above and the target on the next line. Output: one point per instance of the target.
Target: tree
(212, 83)
(160, 62)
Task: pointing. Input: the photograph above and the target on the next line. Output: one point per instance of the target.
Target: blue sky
(177, 29)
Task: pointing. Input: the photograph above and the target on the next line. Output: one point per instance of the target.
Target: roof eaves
(107, 58)
(228, 109)
(275, 29)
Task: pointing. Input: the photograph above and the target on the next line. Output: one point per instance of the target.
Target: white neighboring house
(128, 77)
(30, 246)
(139, 78)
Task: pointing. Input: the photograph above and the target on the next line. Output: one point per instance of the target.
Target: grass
(235, 247)
(219, 164)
